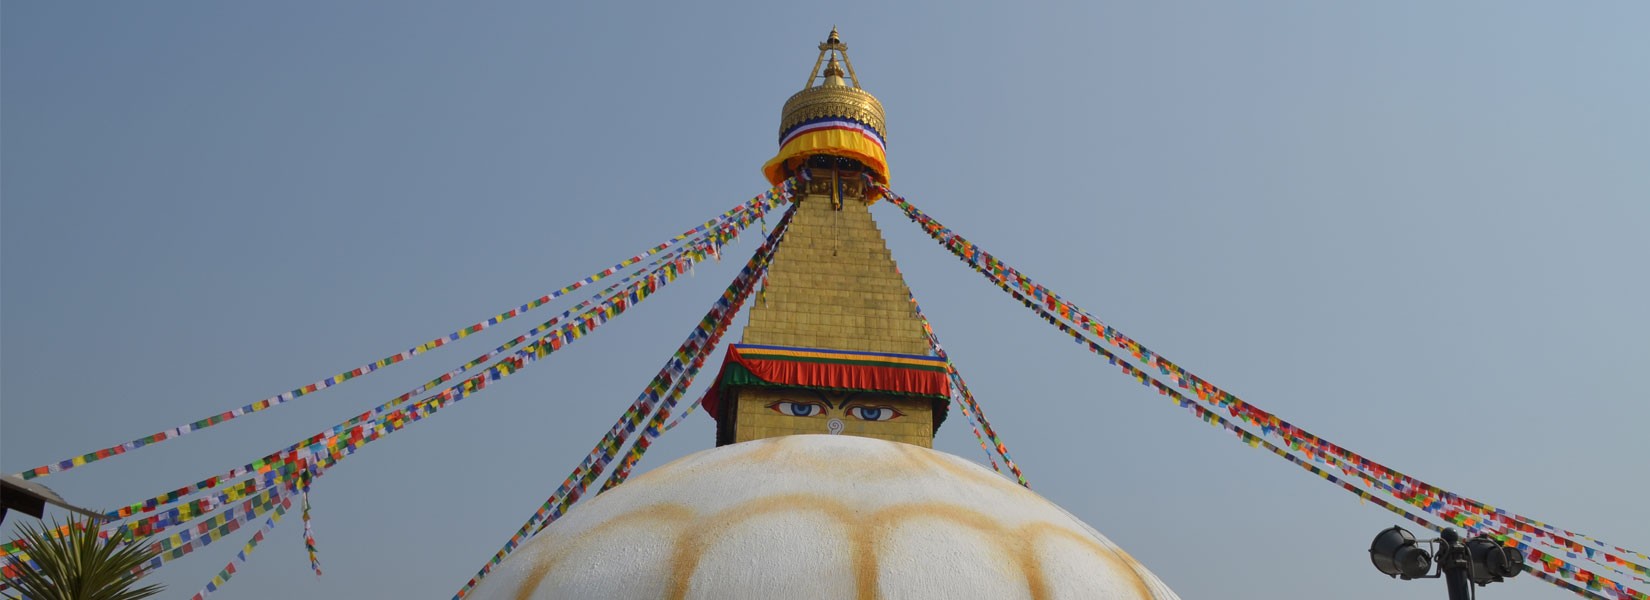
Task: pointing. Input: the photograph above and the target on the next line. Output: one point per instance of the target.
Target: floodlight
(1394, 553)
(1461, 563)
(1491, 561)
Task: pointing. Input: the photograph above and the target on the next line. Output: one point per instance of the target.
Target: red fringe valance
(903, 374)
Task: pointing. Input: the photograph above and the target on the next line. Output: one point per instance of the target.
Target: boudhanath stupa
(823, 483)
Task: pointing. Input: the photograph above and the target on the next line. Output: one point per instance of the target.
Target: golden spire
(829, 96)
(833, 296)
(833, 47)
(847, 101)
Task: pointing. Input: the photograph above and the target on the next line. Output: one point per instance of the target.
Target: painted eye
(797, 409)
(874, 413)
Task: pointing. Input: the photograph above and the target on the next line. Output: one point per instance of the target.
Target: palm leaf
(78, 565)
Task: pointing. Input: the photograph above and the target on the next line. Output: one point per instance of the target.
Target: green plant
(77, 565)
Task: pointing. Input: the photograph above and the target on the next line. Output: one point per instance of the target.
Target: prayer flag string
(1534, 555)
(1011, 280)
(682, 366)
(326, 449)
(667, 271)
(185, 512)
(329, 447)
(230, 569)
(724, 311)
(274, 498)
(333, 448)
(228, 521)
(684, 414)
(965, 400)
(599, 457)
(337, 448)
(996, 270)
(745, 283)
(264, 464)
(182, 515)
(305, 479)
(369, 368)
(184, 543)
(1214, 419)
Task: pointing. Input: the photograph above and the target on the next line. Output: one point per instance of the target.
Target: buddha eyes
(792, 408)
(797, 409)
(874, 413)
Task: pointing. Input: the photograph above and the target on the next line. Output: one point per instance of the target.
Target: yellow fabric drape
(834, 142)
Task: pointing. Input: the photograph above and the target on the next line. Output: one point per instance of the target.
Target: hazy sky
(1417, 229)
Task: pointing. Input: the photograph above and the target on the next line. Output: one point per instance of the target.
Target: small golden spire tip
(833, 69)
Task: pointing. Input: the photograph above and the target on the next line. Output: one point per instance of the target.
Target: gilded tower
(834, 344)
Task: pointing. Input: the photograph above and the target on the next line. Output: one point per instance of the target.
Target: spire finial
(832, 47)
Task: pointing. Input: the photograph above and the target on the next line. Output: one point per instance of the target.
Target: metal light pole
(1453, 562)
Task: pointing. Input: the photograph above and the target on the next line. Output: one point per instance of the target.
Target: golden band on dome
(832, 101)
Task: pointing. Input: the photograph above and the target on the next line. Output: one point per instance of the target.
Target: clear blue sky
(1418, 229)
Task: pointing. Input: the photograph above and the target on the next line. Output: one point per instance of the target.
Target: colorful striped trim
(824, 123)
(735, 374)
(839, 356)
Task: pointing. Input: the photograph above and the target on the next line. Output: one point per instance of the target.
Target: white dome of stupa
(820, 517)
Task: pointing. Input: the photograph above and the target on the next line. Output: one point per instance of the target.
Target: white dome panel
(820, 517)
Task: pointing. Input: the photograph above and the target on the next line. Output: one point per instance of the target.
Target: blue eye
(874, 413)
(797, 409)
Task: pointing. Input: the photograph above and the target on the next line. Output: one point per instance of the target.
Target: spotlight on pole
(1491, 561)
(1481, 560)
(1394, 553)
